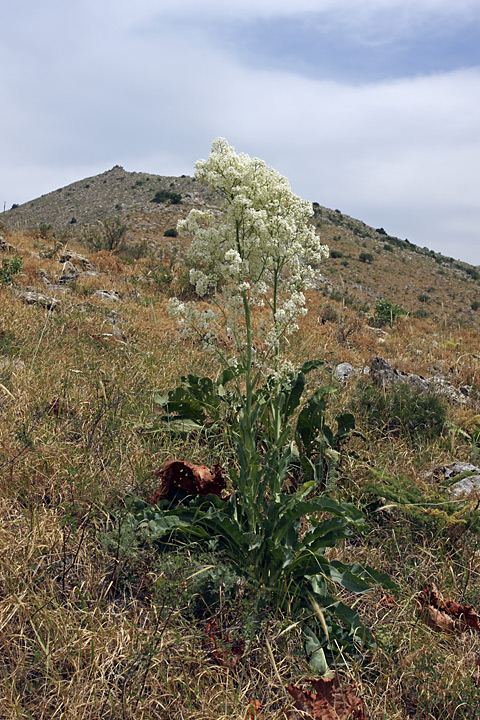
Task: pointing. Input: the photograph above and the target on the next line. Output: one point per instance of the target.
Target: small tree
(109, 235)
(365, 257)
(386, 313)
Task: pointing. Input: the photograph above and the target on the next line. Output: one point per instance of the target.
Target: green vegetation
(118, 601)
(162, 196)
(9, 269)
(365, 257)
(108, 234)
(386, 313)
(403, 410)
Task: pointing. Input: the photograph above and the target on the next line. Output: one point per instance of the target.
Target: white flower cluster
(261, 248)
(192, 321)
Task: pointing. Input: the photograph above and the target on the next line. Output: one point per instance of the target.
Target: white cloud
(152, 94)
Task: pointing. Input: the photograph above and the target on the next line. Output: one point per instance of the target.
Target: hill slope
(98, 622)
(366, 263)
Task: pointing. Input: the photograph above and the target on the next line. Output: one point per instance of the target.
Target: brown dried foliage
(445, 615)
(192, 479)
(327, 700)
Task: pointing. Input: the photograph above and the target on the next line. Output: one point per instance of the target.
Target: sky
(371, 107)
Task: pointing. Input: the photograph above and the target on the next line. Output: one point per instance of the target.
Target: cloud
(99, 84)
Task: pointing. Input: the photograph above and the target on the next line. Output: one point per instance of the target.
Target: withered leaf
(223, 649)
(179, 478)
(327, 700)
(445, 615)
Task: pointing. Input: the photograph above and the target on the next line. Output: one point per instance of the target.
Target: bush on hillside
(386, 313)
(365, 257)
(402, 410)
(162, 196)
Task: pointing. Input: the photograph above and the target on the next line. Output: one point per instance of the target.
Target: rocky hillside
(114, 192)
(366, 263)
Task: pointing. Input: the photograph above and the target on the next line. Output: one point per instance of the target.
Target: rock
(112, 295)
(14, 364)
(80, 262)
(469, 486)
(69, 274)
(385, 375)
(343, 371)
(35, 298)
(6, 247)
(466, 486)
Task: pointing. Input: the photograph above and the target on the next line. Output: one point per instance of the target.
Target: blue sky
(369, 106)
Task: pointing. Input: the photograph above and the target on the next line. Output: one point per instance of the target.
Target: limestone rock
(344, 370)
(80, 262)
(385, 375)
(35, 298)
(111, 295)
(468, 486)
(69, 274)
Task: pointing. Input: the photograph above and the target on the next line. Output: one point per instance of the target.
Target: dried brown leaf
(189, 479)
(226, 651)
(445, 615)
(327, 700)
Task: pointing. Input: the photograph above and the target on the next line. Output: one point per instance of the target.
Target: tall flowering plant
(259, 250)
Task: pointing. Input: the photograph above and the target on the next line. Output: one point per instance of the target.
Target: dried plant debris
(222, 649)
(445, 615)
(327, 700)
(180, 478)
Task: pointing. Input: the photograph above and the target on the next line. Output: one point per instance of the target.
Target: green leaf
(346, 423)
(313, 648)
(311, 365)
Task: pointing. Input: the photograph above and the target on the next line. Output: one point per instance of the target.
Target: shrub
(44, 230)
(15, 205)
(336, 254)
(329, 314)
(108, 235)
(421, 314)
(472, 273)
(388, 247)
(365, 257)
(402, 410)
(386, 313)
(475, 305)
(171, 232)
(162, 196)
(9, 269)
(381, 231)
(424, 298)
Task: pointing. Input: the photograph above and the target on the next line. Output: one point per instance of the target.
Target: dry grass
(86, 630)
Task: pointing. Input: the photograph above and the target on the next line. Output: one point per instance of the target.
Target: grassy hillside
(99, 623)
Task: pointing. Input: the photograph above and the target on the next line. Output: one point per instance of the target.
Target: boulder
(344, 370)
(70, 273)
(35, 298)
(80, 262)
(467, 486)
(385, 375)
(111, 295)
